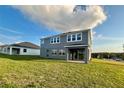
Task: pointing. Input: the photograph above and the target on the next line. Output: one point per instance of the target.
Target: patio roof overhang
(75, 46)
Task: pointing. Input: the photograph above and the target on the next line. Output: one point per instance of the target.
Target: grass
(33, 71)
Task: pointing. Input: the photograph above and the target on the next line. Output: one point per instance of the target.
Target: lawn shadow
(30, 58)
(21, 57)
(34, 58)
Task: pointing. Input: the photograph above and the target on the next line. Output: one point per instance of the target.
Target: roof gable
(26, 44)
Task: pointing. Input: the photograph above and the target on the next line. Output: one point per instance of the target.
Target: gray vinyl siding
(63, 42)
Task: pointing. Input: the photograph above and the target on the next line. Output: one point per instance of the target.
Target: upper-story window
(55, 40)
(51, 40)
(69, 38)
(74, 37)
(79, 37)
(58, 39)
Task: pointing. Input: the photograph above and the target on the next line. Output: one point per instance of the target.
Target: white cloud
(18, 41)
(111, 47)
(102, 37)
(9, 39)
(9, 30)
(63, 18)
(93, 33)
(1, 43)
(107, 44)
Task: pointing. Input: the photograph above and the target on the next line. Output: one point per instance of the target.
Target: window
(69, 37)
(54, 51)
(61, 52)
(24, 50)
(47, 50)
(42, 41)
(47, 55)
(55, 40)
(4, 50)
(79, 36)
(58, 39)
(74, 37)
(51, 40)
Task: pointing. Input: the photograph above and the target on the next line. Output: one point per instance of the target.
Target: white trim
(67, 38)
(76, 46)
(61, 51)
(54, 52)
(51, 39)
(76, 61)
(81, 36)
(75, 37)
(56, 40)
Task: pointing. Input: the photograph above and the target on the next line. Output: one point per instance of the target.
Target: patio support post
(67, 54)
(87, 55)
(10, 51)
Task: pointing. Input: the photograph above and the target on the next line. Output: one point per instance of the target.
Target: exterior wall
(45, 53)
(4, 50)
(30, 51)
(1, 50)
(63, 42)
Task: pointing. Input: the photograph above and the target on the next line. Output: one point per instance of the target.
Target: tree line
(107, 55)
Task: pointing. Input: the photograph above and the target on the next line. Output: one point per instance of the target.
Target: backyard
(34, 71)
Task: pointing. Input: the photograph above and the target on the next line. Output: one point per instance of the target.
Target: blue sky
(22, 28)
(110, 34)
(16, 27)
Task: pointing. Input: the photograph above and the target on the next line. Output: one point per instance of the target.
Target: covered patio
(77, 53)
(13, 51)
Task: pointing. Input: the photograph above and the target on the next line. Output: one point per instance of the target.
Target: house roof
(66, 33)
(26, 44)
(3, 46)
(23, 44)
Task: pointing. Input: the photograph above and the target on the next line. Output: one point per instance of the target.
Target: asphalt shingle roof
(26, 44)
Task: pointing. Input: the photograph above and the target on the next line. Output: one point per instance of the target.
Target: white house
(23, 48)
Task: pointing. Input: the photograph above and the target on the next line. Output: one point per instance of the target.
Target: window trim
(70, 38)
(58, 38)
(24, 50)
(54, 52)
(75, 37)
(81, 37)
(52, 38)
(61, 51)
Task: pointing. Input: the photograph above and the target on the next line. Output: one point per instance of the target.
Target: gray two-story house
(72, 46)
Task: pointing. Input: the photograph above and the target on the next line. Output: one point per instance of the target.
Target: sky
(18, 24)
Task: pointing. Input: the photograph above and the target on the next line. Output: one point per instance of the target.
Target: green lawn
(32, 71)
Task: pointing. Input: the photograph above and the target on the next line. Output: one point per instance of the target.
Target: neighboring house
(72, 46)
(23, 48)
